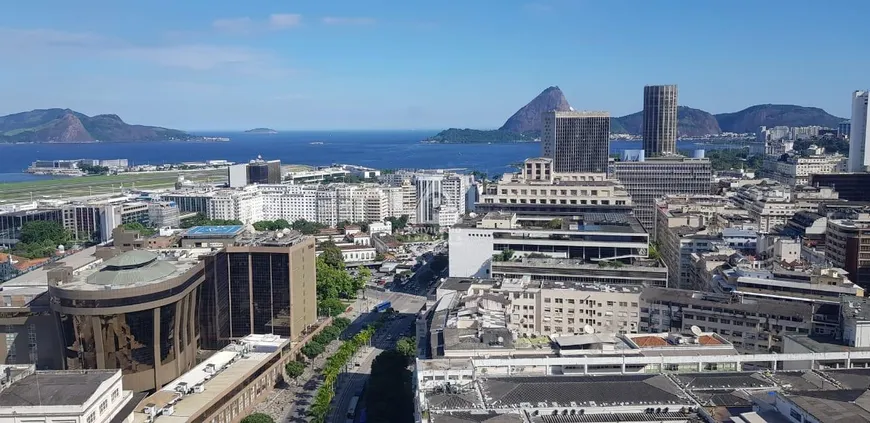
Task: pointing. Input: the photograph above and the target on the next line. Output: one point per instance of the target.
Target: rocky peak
(528, 118)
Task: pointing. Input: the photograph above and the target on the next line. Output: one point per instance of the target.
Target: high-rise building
(428, 197)
(135, 312)
(659, 120)
(649, 179)
(264, 285)
(859, 154)
(264, 172)
(578, 142)
(237, 175)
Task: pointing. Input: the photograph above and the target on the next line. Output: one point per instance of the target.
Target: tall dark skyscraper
(576, 141)
(659, 120)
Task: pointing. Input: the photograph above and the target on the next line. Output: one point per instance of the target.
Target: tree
(294, 369)
(341, 322)
(363, 275)
(39, 231)
(554, 224)
(331, 254)
(138, 227)
(398, 223)
(407, 346)
(331, 307)
(41, 238)
(313, 349)
(258, 418)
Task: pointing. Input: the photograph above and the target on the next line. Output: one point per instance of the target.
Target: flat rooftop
(39, 276)
(233, 364)
(581, 391)
(54, 388)
(226, 231)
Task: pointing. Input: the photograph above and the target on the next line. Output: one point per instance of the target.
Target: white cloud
(284, 20)
(52, 45)
(246, 25)
(240, 25)
(336, 20)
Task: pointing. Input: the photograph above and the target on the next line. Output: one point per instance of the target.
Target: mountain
(524, 125)
(528, 118)
(261, 131)
(690, 123)
(749, 119)
(65, 125)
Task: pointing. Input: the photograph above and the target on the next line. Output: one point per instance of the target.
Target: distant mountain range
(68, 126)
(525, 124)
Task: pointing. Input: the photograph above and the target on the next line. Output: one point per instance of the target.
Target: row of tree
(317, 345)
(335, 364)
(138, 227)
(202, 220)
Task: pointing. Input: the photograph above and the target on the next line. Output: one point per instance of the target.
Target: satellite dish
(589, 330)
(501, 340)
(696, 330)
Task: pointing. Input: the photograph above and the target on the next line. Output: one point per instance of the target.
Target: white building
(859, 154)
(237, 175)
(428, 197)
(244, 204)
(80, 396)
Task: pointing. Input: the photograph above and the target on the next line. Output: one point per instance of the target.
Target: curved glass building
(135, 312)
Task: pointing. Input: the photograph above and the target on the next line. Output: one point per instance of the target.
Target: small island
(261, 131)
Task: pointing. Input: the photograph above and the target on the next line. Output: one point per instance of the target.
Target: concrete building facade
(577, 142)
(859, 136)
(659, 120)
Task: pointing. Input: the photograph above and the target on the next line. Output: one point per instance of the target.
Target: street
(290, 402)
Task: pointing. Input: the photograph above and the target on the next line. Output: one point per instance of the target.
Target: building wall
(149, 332)
(650, 180)
(471, 252)
(28, 337)
(568, 311)
(659, 120)
(259, 290)
(859, 137)
(576, 141)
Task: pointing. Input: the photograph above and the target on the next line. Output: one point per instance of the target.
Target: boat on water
(316, 143)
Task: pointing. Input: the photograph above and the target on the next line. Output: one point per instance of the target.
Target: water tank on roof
(699, 154)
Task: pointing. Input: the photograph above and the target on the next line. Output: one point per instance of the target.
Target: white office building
(859, 154)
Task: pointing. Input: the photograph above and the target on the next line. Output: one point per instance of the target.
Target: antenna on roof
(696, 330)
(588, 329)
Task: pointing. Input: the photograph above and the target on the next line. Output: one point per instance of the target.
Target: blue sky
(344, 64)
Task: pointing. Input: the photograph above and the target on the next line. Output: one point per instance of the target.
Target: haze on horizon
(404, 65)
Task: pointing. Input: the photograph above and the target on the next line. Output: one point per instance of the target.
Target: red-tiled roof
(650, 341)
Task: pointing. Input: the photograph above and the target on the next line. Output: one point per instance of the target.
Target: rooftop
(581, 391)
(214, 231)
(848, 405)
(133, 268)
(39, 277)
(54, 388)
(219, 375)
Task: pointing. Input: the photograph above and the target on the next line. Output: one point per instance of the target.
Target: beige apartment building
(538, 183)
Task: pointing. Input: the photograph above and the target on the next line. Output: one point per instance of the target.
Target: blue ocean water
(377, 149)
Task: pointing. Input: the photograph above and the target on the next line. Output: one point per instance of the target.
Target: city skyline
(389, 65)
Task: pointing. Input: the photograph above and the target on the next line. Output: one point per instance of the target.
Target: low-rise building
(63, 396)
(592, 237)
(845, 243)
(538, 188)
(796, 169)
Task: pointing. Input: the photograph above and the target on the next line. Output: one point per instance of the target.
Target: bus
(351, 409)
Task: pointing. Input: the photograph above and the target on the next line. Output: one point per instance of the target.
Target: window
(115, 394)
(103, 406)
(92, 418)
(610, 303)
(795, 415)
(623, 304)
